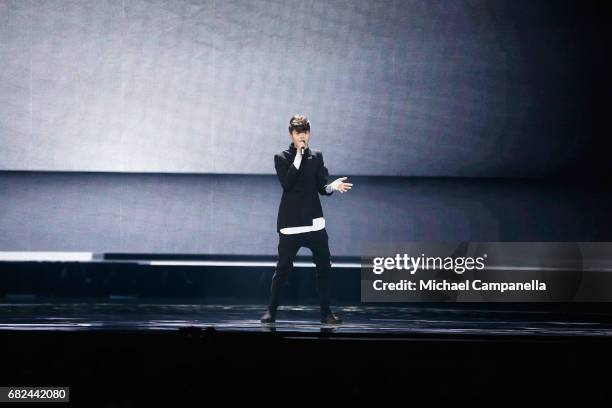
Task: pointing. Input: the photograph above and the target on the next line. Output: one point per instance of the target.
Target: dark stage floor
(373, 320)
(121, 354)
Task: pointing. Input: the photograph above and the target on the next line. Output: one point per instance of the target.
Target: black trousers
(288, 246)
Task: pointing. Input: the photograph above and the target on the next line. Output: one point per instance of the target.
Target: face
(302, 136)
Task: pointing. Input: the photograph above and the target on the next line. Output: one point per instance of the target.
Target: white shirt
(317, 223)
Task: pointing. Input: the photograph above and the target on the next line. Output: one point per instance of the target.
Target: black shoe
(329, 318)
(268, 317)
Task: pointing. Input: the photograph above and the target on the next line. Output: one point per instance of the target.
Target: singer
(300, 223)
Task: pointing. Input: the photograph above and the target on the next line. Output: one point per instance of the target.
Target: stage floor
(366, 320)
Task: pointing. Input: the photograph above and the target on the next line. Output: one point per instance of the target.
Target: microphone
(302, 150)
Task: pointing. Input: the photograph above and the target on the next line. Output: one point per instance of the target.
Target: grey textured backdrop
(100, 93)
(424, 87)
(235, 214)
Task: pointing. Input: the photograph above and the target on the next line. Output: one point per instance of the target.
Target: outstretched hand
(341, 186)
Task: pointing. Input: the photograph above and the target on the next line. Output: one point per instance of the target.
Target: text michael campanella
(411, 264)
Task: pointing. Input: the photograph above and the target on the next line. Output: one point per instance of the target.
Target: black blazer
(300, 202)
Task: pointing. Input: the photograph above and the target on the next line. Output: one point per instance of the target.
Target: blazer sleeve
(286, 172)
(322, 176)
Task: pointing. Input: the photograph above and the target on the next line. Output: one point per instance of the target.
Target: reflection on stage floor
(367, 320)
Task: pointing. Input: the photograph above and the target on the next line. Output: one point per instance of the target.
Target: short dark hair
(299, 123)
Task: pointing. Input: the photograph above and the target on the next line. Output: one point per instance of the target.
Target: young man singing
(300, 223)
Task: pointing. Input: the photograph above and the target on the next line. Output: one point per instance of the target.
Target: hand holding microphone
(301, 147)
